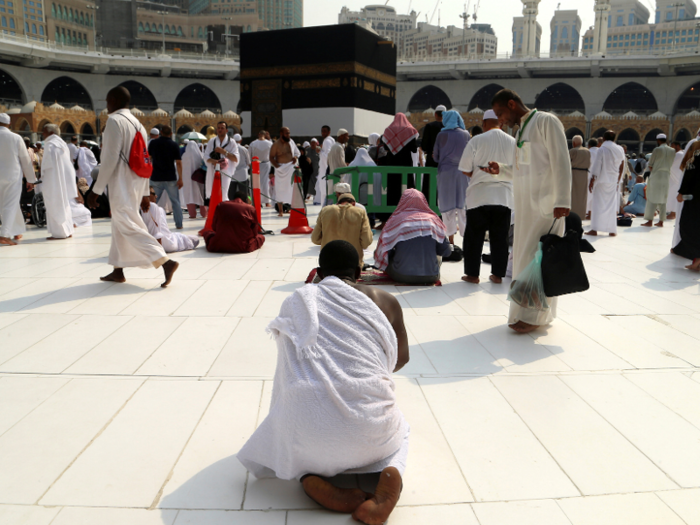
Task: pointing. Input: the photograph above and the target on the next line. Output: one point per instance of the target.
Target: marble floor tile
(116, 298)
(28, 331)
(269, 270)
(250, 298)
(212, 299)
(676, 391)
(619, 509)
(114, 516)
(33, 292)
(535, 512)
(241, 517)
(249, 352)
(27, 514)
(275, 296)
(163, 301)
(229, 269)
(20, 395)
(684, 503)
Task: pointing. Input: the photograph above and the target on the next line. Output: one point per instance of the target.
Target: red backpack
(139, 161)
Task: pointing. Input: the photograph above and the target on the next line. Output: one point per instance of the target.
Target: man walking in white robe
(221, 147)
(672, 204)
(541, 188)
(659, 180)
(606, 173)
(14, 163)
(86, 162)
(132, 245)
(322, 188)
(57, 184)
(261, 148)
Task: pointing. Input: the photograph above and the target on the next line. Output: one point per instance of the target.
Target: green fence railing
(376, 186)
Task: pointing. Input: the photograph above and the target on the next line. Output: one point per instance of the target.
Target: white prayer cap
(342, 131)
(342, 187)
(4, 118)
(490, 114)
(314, 140)
(155, 131)
(661, 136)
(440, 108)
(237, 137)
(306, 144)
(187, 141)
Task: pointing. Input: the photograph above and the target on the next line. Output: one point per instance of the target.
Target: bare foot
(332, 497)
(671, 216)
(117, 276)
(268, 205)
(693, 267)
(376, 510)
(660, 224)
(169, 269)
(18, 237)
(280, 215)
(612, 234)
(588, 216)
(523, 328)
(470, 279)
(646, 224)
(58, 238)
(495, 279)
(593, 233)
(8, 241)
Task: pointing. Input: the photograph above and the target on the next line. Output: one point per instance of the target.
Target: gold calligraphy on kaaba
(316, 83)
(319, 69)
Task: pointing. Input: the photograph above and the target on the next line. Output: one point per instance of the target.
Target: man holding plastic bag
(541, 171)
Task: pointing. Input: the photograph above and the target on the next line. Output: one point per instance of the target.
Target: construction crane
(437, 4)
(476, 8)
(465, 16)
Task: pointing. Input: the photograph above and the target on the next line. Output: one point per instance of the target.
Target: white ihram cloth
(58, 186)
(157, 225)
(284, 175)
(132, 245)
(231, 146)
(81, 215)
(322, 184)
(86, 163)
(589, 200)
(191, 161)
(538, 188)
(74, 150)
(14, 163)
(333, 403)
(674, 184)
(261, 149)
(605, 201)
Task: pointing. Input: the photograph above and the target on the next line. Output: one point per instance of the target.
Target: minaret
(530, 27)
(600, 30)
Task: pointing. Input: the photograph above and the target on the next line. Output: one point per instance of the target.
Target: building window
(140, 27)
(41, 30)
(34, 29)
(630, 22)
(12, 23)
(669, 15)
(619, 21)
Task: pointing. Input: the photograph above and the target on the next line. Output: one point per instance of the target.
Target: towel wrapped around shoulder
(333, 404)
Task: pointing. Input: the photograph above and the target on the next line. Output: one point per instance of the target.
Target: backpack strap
(138, 130)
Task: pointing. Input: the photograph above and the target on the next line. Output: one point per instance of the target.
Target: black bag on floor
(562, 267)
(38, 210)
(456, 255)
(624, 221)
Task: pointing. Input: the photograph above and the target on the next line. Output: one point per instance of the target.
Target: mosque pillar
(600, 31)
(530, 27)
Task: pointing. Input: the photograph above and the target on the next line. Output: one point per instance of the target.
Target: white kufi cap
(306, 144)
(155, 131)
(661, 136)
(490, 114)
(342, 131)
(237, 137)
(441, 108)
(4, 118)
(342, 187)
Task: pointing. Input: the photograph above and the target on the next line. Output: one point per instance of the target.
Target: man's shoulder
(386, 302)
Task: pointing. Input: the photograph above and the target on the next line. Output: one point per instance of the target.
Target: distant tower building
(520, 39)
(281, 14)
(629, 13)
(531, 31)
(600, 30)
(565, 30)
(669, 10)
(383, 19)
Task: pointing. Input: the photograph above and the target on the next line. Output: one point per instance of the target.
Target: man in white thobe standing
(322, 189)
(261, 148)
(659, 181)
(225, 148)
(541, 172)
(672, 204)
(58, 184)
(74, 149)
(14, 163)
(336, 157)
(86, 162)
(132, 245)
(606, 173)
(283, 155)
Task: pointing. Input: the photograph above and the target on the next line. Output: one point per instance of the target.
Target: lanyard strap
(520, 133)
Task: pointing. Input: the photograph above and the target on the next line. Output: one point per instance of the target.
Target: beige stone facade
(32, 117)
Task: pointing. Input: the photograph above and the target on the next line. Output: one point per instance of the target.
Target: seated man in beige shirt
(343, 221)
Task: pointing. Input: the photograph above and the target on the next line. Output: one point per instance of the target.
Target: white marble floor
(125, 404)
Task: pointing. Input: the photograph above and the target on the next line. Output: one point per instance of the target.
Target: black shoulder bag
(562, 267)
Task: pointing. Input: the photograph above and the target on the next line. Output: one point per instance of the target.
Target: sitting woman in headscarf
(412, 242)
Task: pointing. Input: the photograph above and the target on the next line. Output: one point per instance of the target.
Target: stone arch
(572, 132)
(43, 123)
(650, 140)
(631, 96)
(598, 133)
(196, 98)
(688, 100)
(67, 128)
(428, 97)
(203, 131)
(683, 136)
(87, 129)
(184, 129)
(629, 137)
(560, 97)
(11, 89)
(22, 125)
(482, 98)
(67, 92)
(141, 96)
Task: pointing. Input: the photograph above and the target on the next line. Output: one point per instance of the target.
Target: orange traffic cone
(214, 201)
(298, 223)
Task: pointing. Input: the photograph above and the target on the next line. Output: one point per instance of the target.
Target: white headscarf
(373, 139)
(362, 158)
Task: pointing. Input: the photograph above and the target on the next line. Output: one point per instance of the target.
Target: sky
(498, 13)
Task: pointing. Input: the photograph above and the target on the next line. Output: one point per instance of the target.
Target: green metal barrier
(384, 171)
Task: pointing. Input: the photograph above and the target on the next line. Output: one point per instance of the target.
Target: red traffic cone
(214, 201)
(298, 223)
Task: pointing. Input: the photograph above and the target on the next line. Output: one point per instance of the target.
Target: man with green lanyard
(541, 171)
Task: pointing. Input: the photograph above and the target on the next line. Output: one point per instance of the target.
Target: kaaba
(340, 76)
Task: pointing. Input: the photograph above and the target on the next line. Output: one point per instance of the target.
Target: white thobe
(229, 145)
(74, 150)
(191, 162)
(673, 206)
(241, 174)
(157, 225)
(81, 215)
(589, 200)
(538, 187)
(336, 159)
(322, 189)
(86, 163)
(605, 200)
(58, 186)
(132, 245)
(14, 163)
(261, 149)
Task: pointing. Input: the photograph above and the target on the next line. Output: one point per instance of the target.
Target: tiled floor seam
(544, 447)
(257, 423)
(179, 456)
(49, 294)
(556, 501)
(623, 435)
(99, 433)
(40, 340)
(238, 322)
(183, 302)
(671, 508)
(261, 300)
(596, 342)
(447, 442)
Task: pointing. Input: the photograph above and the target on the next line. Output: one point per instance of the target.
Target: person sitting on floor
(154, 218)
(344, 221)
(637, 202)
(412, 242)
(235, 228)
(333, 408)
